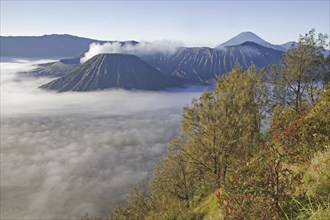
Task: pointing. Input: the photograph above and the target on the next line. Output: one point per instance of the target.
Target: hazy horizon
(194, 23)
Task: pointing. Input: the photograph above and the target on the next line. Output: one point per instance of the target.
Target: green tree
(317, 122)
(219, 122)
(283, 178)
(138, 205)
(301, 71)
(326, 77)
(264, 179)
(174, 179)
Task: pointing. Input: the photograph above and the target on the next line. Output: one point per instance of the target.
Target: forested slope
(224, 166)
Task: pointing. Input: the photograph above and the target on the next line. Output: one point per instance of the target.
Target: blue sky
(194, 23)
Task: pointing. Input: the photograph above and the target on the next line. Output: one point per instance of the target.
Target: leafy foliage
(301, 71)
(225, 166)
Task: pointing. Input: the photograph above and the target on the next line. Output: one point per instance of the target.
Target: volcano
(105, 71)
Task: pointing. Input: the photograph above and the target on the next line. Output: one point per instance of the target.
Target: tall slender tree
(219, 122)
(301, 71)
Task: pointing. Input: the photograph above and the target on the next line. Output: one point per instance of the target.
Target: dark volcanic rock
(203, 64)
(105, 71)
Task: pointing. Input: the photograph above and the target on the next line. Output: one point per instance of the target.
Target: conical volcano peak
(105, 71)
(251, 37)
(243, 37)
(248, 34)
(112, 55)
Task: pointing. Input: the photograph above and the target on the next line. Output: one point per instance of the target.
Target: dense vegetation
(257, 147)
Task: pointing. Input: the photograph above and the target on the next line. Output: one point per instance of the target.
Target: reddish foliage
(287, 133)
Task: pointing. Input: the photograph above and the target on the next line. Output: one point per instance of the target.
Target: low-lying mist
(66, 154)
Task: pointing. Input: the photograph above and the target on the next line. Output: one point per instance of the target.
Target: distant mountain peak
(289, 44)
(243, 37)
(251, 37)
(248, 34)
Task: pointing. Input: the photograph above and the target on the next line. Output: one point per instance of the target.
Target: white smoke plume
(142, 48)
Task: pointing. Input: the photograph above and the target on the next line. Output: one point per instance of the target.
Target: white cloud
(142, 48)
(66, 154)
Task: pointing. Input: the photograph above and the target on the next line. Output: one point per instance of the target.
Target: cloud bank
(66, 154)
(142, 48)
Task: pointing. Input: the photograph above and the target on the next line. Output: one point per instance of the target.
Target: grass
(310, 211)
(209, 207)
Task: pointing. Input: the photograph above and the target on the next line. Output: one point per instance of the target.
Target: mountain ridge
(48, 46)
(195, 64)
(66, 45)
(205, 64)
(45, 46)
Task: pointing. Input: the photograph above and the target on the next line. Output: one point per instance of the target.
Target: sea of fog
(63, 155)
